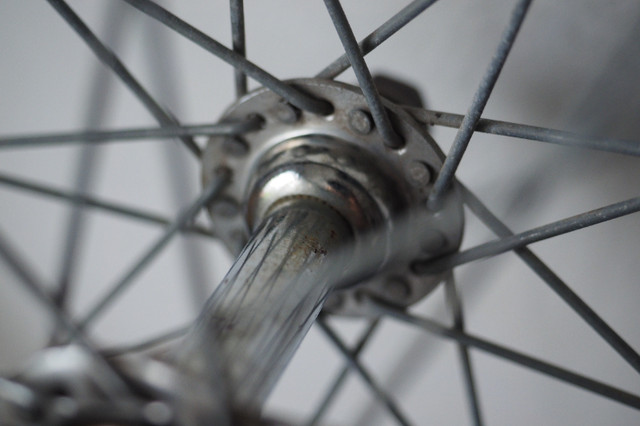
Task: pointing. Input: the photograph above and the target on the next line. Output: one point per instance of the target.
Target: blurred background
(575, 66)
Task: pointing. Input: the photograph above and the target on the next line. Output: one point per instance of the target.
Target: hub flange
(341, 160)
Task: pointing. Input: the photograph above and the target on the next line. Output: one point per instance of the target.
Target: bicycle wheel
(572, 67)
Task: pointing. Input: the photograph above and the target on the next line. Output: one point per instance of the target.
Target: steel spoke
(455, 304)
(110, 60)
(115, 387)
(515, 241)
(88, 201)
(76, 225)
(238, 41)
(364, 374)
(94, 137)
(378, 36)
(340, 379)
(554, 282)
(463, 136)
(369, 90)
(532, 133)
(290, 93)
(164, 80)
(97, 101)
(546, 368)
(183, 218)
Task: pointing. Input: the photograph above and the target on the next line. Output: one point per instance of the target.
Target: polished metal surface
(342, 160)
(256, 318)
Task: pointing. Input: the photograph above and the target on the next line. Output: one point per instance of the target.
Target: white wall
(574, 66)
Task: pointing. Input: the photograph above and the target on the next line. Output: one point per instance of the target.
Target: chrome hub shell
(341, 160)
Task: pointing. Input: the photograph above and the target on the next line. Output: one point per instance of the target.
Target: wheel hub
(341, 160)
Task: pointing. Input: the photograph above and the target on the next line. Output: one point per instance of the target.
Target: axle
(275, 289)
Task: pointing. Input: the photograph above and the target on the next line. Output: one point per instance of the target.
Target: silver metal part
(193, 393)
(64, 370)
(60, 385)
(257, 317)
(343, 161)
(322, 214)
(17, 402)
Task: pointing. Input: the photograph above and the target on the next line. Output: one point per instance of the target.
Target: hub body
(341, 160)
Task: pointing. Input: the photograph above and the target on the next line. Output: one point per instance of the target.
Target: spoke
(94, 137)
(378, 36)
(364, 374)
(97, 101)
(463, 136)
(115, 387)
(511, 355)
(160, 53)
(351, 48)
(516, 241)
(238, 38)
(76, 225)
(554, 282)
(331, 394)
(455, 304)
(110, 60)
(532, 133)
(146, 344)
(291, 94)
(88, 201)
(183, 218)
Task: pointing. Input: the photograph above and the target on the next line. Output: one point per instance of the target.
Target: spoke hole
(395, 140)
(329, 109)
(325, 107)
(395, 143)
(259, 119)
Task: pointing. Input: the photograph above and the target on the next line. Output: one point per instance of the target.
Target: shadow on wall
(609, 109)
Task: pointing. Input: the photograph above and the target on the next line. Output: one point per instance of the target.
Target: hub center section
(341, 161)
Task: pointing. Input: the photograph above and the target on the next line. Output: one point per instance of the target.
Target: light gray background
(575, 66)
